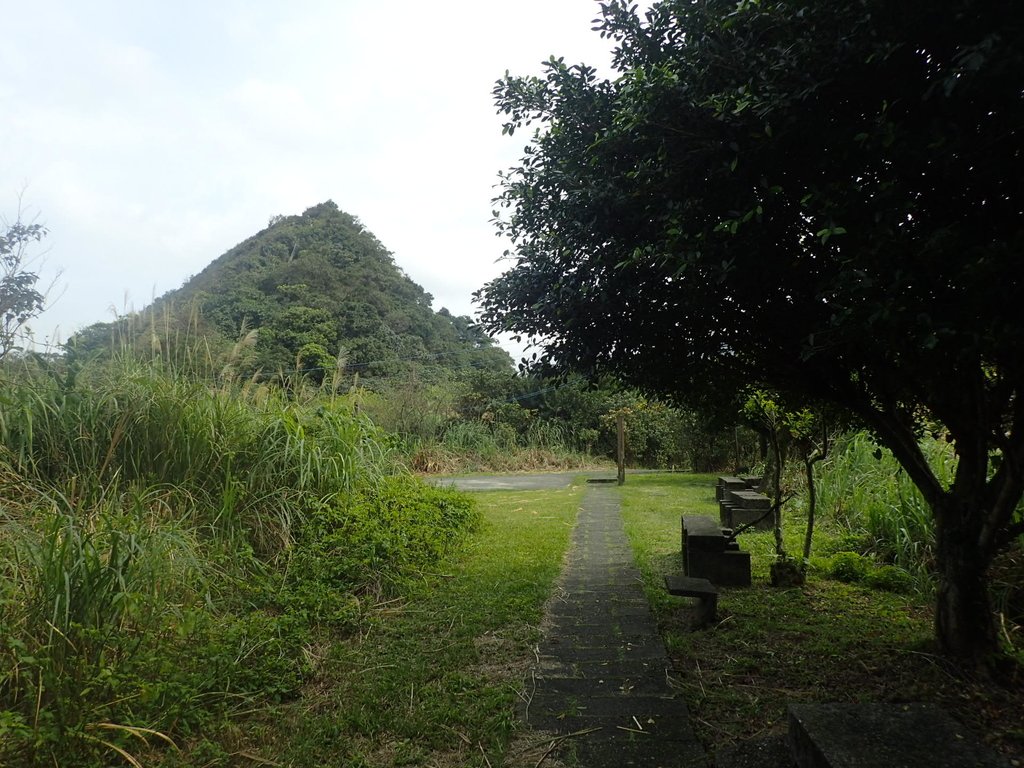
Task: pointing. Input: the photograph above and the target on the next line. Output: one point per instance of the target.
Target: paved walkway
(602, 673)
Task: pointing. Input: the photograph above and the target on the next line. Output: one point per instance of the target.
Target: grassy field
(433, 679)
(825, 641)
(229, 575)
(248, 576)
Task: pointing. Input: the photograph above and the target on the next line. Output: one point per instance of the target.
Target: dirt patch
(505, 658)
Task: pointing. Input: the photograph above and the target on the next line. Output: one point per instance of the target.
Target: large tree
(823, 197)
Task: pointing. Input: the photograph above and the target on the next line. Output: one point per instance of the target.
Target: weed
(433, 677)
(851, 567)
(863, 489)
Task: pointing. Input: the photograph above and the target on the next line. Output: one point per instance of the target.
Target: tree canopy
(827, 198)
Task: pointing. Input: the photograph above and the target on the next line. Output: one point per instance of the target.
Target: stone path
(602, 673)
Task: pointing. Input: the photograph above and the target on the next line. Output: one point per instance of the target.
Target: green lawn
(433, 680)
(825, 641)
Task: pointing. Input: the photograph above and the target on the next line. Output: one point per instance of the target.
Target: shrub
(889, 578)
(845, 541)
(849, 567)
(379, 538)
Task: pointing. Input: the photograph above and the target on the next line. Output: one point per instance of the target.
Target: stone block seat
(745, 507)
(728, 483)
(702, 589)
(883, 735)
(865, 735)
(708, 553)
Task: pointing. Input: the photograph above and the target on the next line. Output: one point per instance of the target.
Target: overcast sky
(150, 137)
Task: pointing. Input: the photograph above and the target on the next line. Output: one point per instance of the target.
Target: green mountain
(317, 290)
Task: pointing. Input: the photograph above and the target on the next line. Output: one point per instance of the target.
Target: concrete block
(699, 532)
(748, 500)
(726, 568)
(702, 589)
(728, 483)
(733, 516)
(740, 517)
(702, 530)
(707, 555)
(754, 482)
(725, 514)
(883, 736)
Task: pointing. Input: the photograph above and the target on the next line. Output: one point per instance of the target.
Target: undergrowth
(170, 551)
(864, 491)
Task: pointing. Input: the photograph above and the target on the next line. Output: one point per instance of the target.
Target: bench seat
(702, 589)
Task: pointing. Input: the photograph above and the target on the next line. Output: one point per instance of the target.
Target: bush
(381, 537)
(850, 567)
(845, 541)
(890, 579)
(855, 568)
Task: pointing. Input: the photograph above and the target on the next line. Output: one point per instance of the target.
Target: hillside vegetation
(316, 302)
(316, 293)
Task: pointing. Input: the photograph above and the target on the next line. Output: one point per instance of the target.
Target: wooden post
(620, 423)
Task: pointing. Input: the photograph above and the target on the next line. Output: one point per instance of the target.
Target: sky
(151, 137)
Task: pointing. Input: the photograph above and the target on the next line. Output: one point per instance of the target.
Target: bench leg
(707, 610)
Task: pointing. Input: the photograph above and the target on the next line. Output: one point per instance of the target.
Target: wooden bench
(704, 590)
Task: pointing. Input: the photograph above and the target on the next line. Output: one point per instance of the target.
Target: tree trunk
(812, 507)
(776, 459)
(810, 459)
(964, 623)
(620, 447)
(972, 518)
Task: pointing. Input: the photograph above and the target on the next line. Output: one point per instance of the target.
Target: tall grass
(168, 545)
(865, 491)
(465, 446)
(232, 459)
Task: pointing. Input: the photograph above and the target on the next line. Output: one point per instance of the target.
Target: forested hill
(312, 286)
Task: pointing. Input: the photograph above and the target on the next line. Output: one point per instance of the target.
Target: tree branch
(900, 439)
